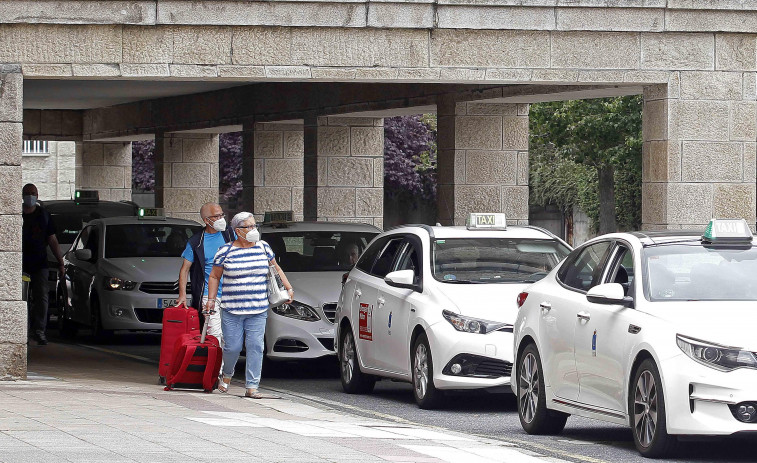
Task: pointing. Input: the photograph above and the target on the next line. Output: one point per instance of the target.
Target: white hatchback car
(435, 305)
(653, 330)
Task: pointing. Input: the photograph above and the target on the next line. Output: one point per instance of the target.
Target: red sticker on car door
(365, 325)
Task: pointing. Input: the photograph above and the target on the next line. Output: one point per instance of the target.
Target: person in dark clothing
(198, 262)
(38, 232)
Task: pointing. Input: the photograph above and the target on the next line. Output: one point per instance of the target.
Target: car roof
(320, 226)
(127, 220)
(69, 205)
(513, 231)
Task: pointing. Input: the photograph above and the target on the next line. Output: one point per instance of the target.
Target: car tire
(535, 417)
(354, 381)
(67, 328)
(646, 406)
(98, 332)
(427, 396)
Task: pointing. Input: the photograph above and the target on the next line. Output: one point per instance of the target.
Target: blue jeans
(247, 330)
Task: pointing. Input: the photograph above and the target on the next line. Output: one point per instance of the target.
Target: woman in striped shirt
(243, 264)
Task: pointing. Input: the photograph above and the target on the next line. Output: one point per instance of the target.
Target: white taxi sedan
(653, 330)
(435, 305)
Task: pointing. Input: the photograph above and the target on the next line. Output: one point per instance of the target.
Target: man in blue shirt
(198, 260)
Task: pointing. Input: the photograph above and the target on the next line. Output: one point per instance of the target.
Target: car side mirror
(401, 279)
(83, 254)
(609, 294)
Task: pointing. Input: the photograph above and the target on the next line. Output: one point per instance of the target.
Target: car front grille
(149, 315)
(327, 343)
(493, 368)
(329, 310)
(162, 287)
(290, 345)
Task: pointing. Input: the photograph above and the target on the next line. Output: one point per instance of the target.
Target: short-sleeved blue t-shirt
(210, 242)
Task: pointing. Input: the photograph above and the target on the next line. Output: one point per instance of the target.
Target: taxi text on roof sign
(150, 212)
(278, 216)
(728, 231)
(479, 220)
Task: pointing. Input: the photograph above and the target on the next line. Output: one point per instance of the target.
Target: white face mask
(219, 225)
(30, 200)
(253, 236)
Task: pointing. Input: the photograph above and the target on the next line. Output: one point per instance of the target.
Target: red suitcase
(196, 363)
(177, 321)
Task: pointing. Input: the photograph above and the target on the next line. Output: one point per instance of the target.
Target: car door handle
(546, 306)
(584, 316)
(381, 301)
(358, 293)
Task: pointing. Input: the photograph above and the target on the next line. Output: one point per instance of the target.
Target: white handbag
(277, 293)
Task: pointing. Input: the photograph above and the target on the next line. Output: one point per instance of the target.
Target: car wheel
(534, 415)
(647, 413)
(354, 381)
(98, 332)
(427, 396)
(66, 328)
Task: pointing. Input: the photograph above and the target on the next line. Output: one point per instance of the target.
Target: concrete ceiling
(87, 94)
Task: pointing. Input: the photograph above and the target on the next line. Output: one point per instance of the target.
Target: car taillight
(522, 299)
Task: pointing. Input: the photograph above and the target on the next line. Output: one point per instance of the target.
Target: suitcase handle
(205, 329)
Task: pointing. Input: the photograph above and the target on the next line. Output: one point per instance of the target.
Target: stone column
(482, 163)
(188, 173)
(699, 133)
(105, 167)
(278, 168)
(13, 317)
(344, 170)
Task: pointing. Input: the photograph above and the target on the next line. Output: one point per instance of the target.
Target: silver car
(315, 256)
(121, 272)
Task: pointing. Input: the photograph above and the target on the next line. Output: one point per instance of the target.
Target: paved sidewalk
(87, 406)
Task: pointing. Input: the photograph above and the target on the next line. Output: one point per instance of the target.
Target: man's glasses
(217, 216)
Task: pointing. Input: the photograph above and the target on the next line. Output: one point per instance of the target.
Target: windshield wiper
(462, 281)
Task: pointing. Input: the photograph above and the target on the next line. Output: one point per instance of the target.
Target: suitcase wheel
(167, 388)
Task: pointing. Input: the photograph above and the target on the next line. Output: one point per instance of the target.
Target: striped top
(245, 273)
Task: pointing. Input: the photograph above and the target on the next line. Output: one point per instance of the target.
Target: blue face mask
(30, 200)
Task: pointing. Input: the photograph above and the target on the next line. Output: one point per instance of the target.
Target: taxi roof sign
(150, 213)
(278, 217)
(486, 221)
(727, 231)
(86, 195)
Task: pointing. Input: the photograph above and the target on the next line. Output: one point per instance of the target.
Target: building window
(36, 147)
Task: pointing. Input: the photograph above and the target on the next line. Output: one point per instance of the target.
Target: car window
(494, 260)
(383, 264)
(69, 217)
(365, 263)
(148, 239)
(622, 269)
(583, 271)
(81, 241)
(317, 251)
(93, 242)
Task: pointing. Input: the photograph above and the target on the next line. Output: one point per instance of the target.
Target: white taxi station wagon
(655, 330)
(435, 305)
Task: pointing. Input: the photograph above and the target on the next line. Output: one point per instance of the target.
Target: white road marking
(491, 454)
(424, 434)
(227, 422)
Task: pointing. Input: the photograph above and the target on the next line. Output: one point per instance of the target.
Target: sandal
(223, 385)
(253, 394)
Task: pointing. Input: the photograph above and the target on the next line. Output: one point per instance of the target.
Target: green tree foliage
(588, 153)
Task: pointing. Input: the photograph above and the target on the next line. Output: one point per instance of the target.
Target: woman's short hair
(239, 219)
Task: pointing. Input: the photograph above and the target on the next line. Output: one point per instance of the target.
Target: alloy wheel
(420, 371)
(528, 388)
(645, 408)
(348, 358)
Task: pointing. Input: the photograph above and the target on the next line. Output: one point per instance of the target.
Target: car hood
(316, 288)
(730, 323)
(141, 269)
(494, 302)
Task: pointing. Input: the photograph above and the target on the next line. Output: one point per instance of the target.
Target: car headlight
(297, 310)
(472, 325)
(115, 284)
(719, 357)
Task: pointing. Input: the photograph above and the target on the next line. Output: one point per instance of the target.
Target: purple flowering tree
(230, 164)
(143, 166)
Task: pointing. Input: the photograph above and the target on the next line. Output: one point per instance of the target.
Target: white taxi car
(435, 305)
(653, 330)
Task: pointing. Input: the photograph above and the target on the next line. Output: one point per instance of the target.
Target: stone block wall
(105, 167)
(189, 173)
(54, 172)
(12, 309)
(278, 168)
(482, 163)
(344, 178)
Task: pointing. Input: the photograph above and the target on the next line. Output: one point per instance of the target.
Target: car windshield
(69, 219)
(495, 260)
(686, 272)
(147, 239)
(317, 251)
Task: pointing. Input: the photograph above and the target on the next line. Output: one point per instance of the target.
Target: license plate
(166, 302)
